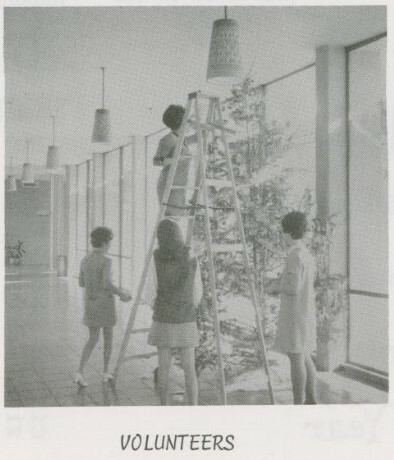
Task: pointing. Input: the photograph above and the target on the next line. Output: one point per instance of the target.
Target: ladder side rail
(211, 265)
(246, 257)
(198, 181)
(148, 259)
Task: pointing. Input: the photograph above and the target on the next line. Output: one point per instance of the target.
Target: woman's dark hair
(170, 238)
(173, 116)
(172, 247)
(294, 223)
(100, 236)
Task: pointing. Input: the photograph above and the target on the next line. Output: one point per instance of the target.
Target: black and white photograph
(196, 207)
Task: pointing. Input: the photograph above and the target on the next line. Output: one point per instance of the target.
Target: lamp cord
(103, 69)
(53, 129)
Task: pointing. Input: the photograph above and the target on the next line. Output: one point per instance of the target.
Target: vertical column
(331, 147)
(332, 167)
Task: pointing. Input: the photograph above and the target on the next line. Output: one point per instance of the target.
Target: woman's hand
(125, 296)
(273, 287)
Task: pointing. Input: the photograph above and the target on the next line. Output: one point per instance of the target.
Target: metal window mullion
(146, 194)
(76, 214)
(347, 133)
(87, 204)
(120, 212)
(103, 177)
(133, 204)
(365, 42)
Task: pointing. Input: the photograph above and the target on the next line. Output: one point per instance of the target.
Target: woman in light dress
(296, 333)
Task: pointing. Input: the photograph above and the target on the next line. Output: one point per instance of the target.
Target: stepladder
(204, 203)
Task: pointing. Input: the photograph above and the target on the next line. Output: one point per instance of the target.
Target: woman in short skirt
(174, 318)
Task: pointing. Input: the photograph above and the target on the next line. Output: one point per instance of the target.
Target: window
(368, 206)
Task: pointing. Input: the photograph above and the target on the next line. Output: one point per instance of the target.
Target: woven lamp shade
(27, 174)
(10, 184)
(102, 126)
(53, 161)
(224, 54)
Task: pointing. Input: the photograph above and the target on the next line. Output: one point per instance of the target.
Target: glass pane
(111, 198)
(81, 206)
(127, 203)
(291, 118)
(98, 189)
(115, 271)
(127, 274)
(368, 160)
(79, 257)
(72, 221)
(91, 224)
(369, 332)
(152, 202)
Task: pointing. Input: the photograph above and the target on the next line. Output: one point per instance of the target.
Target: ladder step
(232, 247)
(140, 331)
(201, 95)
(183, 187)
(140, 356)
(218, 183)
(216, 126)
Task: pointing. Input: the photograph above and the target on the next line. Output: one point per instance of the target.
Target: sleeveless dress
(164, 155)
(99, 300)
(296, 332)
(174, 318)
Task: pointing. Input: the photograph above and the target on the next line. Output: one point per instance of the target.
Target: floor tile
(40, 361)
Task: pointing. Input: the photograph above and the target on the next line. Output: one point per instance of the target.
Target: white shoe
(107, 377)
(79, 379)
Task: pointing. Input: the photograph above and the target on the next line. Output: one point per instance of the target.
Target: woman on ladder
(172, 118)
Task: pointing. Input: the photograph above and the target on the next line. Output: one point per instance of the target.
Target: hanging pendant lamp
(27, 170)
(53, 161)
(102, 126)
(224, 56)
(10, 184)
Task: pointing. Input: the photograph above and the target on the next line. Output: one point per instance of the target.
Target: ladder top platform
(201, 95)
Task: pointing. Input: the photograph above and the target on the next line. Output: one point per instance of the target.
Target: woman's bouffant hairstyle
(294, 223)
(173, 116)
(100, 236)
(169, 236)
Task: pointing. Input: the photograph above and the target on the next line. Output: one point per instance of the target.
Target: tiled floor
(44, 338)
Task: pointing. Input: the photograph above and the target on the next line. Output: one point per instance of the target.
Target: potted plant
(331, 299)
(15, 253)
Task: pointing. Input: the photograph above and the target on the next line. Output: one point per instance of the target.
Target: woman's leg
(310, 380)
(298, 376)
(90, 344)
(165, 357)
(107, 332)
(189, 367)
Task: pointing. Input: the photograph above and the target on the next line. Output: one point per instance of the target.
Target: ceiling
(154, 56)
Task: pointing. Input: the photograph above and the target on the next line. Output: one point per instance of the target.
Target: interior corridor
(44, 337)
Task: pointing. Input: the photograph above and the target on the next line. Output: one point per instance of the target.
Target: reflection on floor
(43, 341)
